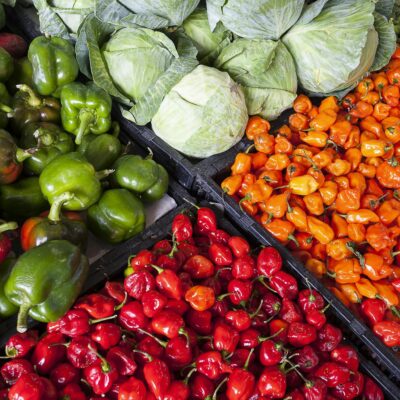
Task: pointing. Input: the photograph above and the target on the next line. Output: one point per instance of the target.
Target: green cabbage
(267, 72)
(209, 44)
(204, 114)
(255, 19)
(333, 49)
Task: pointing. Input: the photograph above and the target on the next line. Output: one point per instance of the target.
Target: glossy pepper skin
(28, 107)
(22, 74)
(53, 63)
(7, 309)
(71, 173)
(46, 281)
(5, 102)
(143, 177)
(117, 216)
(50, 141)
(85, 109)
(22, 199)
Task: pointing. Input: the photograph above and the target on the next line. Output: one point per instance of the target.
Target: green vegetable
(22, 199)
(53, 63)
(71, 173)
(7, 309)
(204, 114)
(6, 65)
(144, 177)
(118, 216)
(255, 19)
(46, 281)
(85, 109)
(23, 74)
(5, 102)
(266, 71)
(50, 141)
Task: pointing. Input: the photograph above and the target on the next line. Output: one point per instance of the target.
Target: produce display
(327, 185)
(204, 316)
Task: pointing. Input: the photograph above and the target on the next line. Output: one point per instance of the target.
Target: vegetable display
(203, 317)
(327, 185)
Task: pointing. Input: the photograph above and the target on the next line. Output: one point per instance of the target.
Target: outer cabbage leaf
(266, 71)
(204, 114)
(385, 7)
(209, 44)
(256, 19)
(387, 41)
(335, 49)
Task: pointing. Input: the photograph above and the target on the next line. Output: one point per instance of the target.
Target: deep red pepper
(279, 329)
(178, 306)
(123, 359)
(149, 346)
(158, 377)
(333, 374)
(269, 261)
(138, 283)
(220, 254)
(238, 319)
(81, 352)
(219, 236)
(48, 352)
(200, 321)
(272, 383)
(389, 332)
(5, 241)
(162, 247)
(249, 339)
(12, 370)
(315, 389)
(168, 323)
(240, 384)
(346, 355)
(188, 249)
(132, 389)
(206, 221)
(284, 284)
(153, 302)
(74, 323)
(373, 310)
(310, 300)
(240, 357)
(307, 359)
(168, 261)
(239, 246)
(301, 334)
(142, 260)
(225, 338)
(211, 364)
(240, 291)
(96, 305)
(244, 268)
(168, 283)
(371, 390)
(316, 318)
(271, 353)
(64, 374)
(72, 392)
(396, 284)
(182, 228)
(106, 334)
(20, 344)
(329, 337)
(177, 390)
(290, 312)
(201, 387)
(199, 267)
(271, 304)
(115, 290)
(29, 386)
(351, 389)
(178, 352)
(296, 394)
(3, 394)
(132, 317)
(101, 375)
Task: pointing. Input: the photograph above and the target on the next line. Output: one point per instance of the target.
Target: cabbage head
(266, 71)
(333, 48)
(208, 44)
(204, 114)
(255, 19)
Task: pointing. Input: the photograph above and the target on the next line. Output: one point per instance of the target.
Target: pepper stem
(246, 364)
(86, 118)
(159, 341)
(157, 268)
(22, 319)
(8, 226)
(104, 173)
(5, 108)
(55, 210)
(43, 138)
(33, 99)
(96, 321)
(143, 353)
(22, 155)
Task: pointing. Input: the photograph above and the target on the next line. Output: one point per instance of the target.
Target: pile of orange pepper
(327, 184)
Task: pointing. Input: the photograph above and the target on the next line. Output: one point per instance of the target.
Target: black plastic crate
(111, 266)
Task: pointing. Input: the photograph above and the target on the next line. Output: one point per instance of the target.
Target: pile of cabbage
(196, 71)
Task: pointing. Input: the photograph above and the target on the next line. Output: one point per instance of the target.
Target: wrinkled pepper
(53, 63)
(85, 109)
(117, 216)
(46, 281)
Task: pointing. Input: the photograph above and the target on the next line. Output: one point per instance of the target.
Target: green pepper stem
(86, 118)
(22, 319)
(5, 108)
(8, 226)
(43, 138)
(21, 155)
(104, 173)
(33, 99)
(55, 210)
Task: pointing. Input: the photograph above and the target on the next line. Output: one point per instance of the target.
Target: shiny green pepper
(5, 102)
(22, 75)
(7, 309)
(6, 65)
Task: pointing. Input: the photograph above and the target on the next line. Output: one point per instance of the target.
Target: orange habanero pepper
(339, 225)
(323, 158)
(316, 267)
(294, 169)
(366, 288)
(347, 270)
(370, 124)
(328, 192)
(388, 174)
(302, 104)
(258, 160)
(303, 185)
(361, 216)
(298, 217)
(329, 103)
(361, 110)
(259, 191)
(351, 292)
(348, 200)
(314, 203)
(374, 267)
(314, 138)
(354, 157)
(339, 167)
(319, 251)
(388, 211)
(342, 182)
(298, 122)
(264, 143)
(251, 209)
(242, 164)
(320, 230)
(357, 181)
(337, 249)
(340, 296)
(391, 95)
(377, 236)
(256, 126)
(381, 111)
(374, 148)
(284, 131)
(368, 171)
(356, 232)
(277, 162)
(274, 178)
(324, 120)
(231, 184)
(247, 181)
(387, 293)
(282, 230)
(277, 205)
(283, 145)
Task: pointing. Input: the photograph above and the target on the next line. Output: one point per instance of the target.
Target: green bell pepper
(85, 109)
(46, 281)
(6, 65)
(23, 199)
(28, 107)
(144, 177)
(54, 64)
(7, 309)
(22, 75)
(71, 173)
(50, 141)
(117, 216)
(5, 102)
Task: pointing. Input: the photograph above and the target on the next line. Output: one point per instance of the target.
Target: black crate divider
(111, 266)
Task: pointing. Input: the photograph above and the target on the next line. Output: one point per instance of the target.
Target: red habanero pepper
(169, 283)
(371, 390)
(182, 228)
(96, 305)
(315, 389)
(72, 392)
(152, 302)
(284, 284)
(272, 383)
(132, 317)
(168, 323)
(12, 370)
(239, 246)
(115, 290)
(201, 387)
(290, 312)
(211, 365)
(138, 283)
(132, 389)
(271, 304)
(178, 390)
(238, 319)
(389, 332)
(143, 259)
(307, 359)
(225, 338)
(243, 268)
(20, 344)
(271, 353)
(351, 389)
(269, 261)
(74, 323)
(29, 386)
(329, 338)
(300, 334)
(206, 220)
(333, 374)
(374, 310)
(122, 358)
(64, 374)
(220, 254)
(199, 267)
(101, 375)
(347, 356)
(158, 378)
(178, 352)
(219, 236)
(106, 334)
(310, 300)
(200, 321)
(5, 241)
(239, 291)
(81, 352)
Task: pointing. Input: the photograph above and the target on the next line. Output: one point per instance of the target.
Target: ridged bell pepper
(22, 199)
(71, 173)
(85, 109)
(143, 176)
(53, 62)
(46, 281)
(50, 141)
(22, 74)
(29, 107)
(7, 309)
(6, 65)
(118, 216)
(5, 102)
(54, 226)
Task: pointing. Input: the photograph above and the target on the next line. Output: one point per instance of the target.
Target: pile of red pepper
(201, 316)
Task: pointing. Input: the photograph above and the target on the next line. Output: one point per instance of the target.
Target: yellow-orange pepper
(356, 232)
(231, 184)
(337, 249)
(277, 162)
(351, 292)
(303, 185)
(256, 126)
(314, 138)
(282, 230)
(316, 267)
(368, 171)
(258, 160)
(339, 225)
(324, 120)
(320, 230)
(374, 148)
(348, 200)
(340, 296)
(339, 132)
(377, 236)
(242, 164)
(277, 205)
(374, 267)
(314, 203)
(265, 143)
(329, 103)
(361, 216)
(347, 270)
(339, 167)
(366, 288)
(389, 211)
(298, 217)
(328, 192)
(323, 158)
(387, 293)
(357, 181)
(302, 104)
(354, 157)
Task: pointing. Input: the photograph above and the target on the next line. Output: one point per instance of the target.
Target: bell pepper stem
(5, 108)
(33, 99)
(21, 155)
(22, 319)
(8, 226)
(86, 118)
(44, 139)
(55, 210)
(104, 173)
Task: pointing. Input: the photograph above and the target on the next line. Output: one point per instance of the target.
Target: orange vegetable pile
(327, 185)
